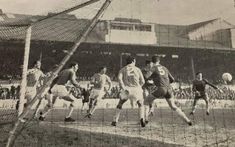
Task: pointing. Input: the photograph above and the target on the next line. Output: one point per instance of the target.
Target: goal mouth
(49, 28)
(36, 47)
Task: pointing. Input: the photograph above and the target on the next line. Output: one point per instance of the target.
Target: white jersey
(131, 76)
(99, 80)
(33, 76)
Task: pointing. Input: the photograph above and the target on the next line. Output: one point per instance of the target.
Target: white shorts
(59, 91)
(134, 94)
(97, 94)
(62, 92)
(30, 93)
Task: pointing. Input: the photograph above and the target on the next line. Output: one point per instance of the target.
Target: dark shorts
(150, 88)
(85, 100)
(163, 92)
(160, 92)
(202, 95)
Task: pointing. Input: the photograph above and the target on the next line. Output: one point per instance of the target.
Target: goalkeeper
(58, 89)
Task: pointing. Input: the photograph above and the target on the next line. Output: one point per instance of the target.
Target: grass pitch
(165, 129)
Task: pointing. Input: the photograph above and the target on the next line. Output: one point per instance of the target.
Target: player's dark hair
(102, 67)
(35, 62)
(130, 59)
(147, 62)
(198, 73)
(73, 64)
(156, 59)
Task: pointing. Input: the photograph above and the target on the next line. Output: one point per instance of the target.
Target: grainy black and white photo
(117, 73)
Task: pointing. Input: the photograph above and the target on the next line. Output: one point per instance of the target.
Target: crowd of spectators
(228, 94)
(9, 93)
(180, 93)
(114, 93)
(187, 93)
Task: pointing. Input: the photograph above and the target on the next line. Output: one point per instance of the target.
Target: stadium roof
(198, 25)
(67, 28)
(59, 28)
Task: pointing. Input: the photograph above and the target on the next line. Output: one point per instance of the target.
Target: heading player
(58, 89)
(98, 80)
(199, 89)
(33, 78)
(162, 80)
(131, 81)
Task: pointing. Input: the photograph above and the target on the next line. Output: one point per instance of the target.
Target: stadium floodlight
(19, 125)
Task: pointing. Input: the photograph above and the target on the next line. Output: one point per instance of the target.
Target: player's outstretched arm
(210, 84)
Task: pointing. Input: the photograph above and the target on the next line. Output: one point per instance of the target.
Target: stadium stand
(174, 42)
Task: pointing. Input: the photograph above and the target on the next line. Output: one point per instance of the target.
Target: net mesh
(185, 50)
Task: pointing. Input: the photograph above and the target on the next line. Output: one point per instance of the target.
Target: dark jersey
(147, 73)
(200, 85)
(65, 76)
(161, 76)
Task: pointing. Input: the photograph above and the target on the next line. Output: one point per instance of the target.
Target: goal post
(19, 123)
(25, 69)
(27, 50)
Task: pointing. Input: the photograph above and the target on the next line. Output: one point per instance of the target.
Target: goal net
(58, 33)
(62, 32)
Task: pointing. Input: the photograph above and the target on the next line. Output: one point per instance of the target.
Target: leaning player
(58, 89)
(98, 80)
(162, 80)
(199, 89)
(131, 81)
(149, 85)
(33, 78)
